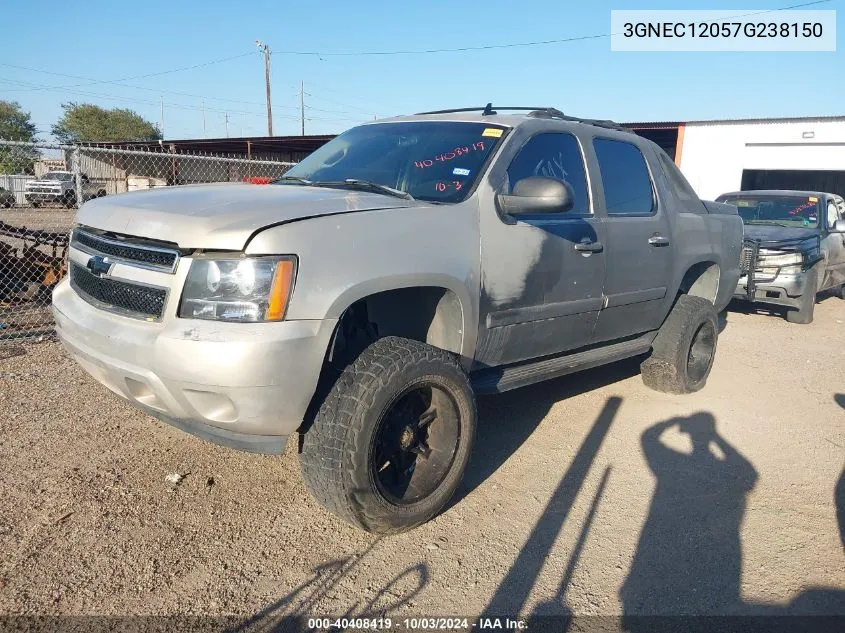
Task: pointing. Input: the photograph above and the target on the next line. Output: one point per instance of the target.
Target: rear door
(638, 241)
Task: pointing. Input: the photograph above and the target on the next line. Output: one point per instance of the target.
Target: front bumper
(783, 289)
(243, 385)
(43, 197)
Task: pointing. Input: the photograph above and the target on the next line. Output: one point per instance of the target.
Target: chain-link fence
(42, 185)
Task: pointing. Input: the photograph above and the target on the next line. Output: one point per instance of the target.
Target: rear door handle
(589, 247)
(658, 240)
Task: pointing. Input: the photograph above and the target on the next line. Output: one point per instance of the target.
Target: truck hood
(771, 233)
(222, 216)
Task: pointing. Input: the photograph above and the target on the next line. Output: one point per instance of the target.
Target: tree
(88, 123)
(16, 126)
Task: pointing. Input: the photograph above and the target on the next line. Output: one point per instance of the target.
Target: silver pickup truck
(360, 302)
(794, 248)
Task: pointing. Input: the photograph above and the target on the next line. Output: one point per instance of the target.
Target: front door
(834, 244)
(639, 243)
(542, 274)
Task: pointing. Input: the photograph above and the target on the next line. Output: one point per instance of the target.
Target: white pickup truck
(59, 187)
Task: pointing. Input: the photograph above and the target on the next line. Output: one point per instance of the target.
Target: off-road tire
(35, 205)
(668, 368)
(336, 450)
(806, 302)
(69, 200)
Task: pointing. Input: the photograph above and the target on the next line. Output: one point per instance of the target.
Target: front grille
(43, 190)
(153, 257)
(118, 295)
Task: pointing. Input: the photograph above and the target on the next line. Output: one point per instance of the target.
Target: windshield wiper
(366, 184)
(302, 181)
(775, 223)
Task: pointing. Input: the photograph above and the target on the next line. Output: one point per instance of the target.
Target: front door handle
(658, 240)
(589, 247)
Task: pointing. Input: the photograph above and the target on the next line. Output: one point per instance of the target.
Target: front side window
(832, 215)
(438, 161)
(625, 178)
(553, 155)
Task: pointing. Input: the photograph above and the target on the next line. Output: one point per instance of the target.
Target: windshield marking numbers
(443, 186)
(447, 156)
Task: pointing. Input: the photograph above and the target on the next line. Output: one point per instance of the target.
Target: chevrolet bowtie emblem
(99, 265)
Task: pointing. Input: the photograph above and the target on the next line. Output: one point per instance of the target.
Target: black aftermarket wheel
(390, 443)
(684, 349)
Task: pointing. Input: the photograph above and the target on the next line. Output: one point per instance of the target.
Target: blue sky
(107, 41)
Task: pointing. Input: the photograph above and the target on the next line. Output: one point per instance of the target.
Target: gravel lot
(584, 496)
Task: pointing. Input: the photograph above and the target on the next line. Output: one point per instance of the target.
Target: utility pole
(266, 50)
(302, 105)
(203, 119)
(162, 116)
(226, 118)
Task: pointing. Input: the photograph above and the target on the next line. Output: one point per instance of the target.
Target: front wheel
(391, 441)
(684, 348)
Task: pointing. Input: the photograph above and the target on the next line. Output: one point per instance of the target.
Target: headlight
(784, 259)
(238, 289)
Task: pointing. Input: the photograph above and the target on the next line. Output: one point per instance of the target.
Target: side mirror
(537, 195)
(839, 227)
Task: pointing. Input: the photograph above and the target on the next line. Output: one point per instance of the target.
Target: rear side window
(682, 188)
(553, 155)
(625, 178)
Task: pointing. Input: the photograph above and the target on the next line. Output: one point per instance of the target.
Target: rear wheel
(390, 443)
(35, 204)
(806, 302)
(684, 349)
(69, 200)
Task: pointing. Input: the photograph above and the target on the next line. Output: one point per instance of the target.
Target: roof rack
(485, 110)
(553, 113)
(537, 112)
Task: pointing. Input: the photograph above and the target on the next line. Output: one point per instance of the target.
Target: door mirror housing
(839, 227)
(537, 194)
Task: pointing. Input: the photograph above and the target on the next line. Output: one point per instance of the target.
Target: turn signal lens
(280, 291)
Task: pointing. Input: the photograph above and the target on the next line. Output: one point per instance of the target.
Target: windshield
(430, 160)
(57, 175)
(789, 211)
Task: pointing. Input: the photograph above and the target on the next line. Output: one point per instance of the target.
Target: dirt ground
(586, 495)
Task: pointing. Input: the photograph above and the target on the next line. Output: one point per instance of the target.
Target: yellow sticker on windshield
(495, 132)
(813, 199)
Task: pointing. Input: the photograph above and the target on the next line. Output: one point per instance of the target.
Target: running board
(500, 379)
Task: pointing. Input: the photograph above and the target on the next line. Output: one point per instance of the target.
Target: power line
(133, 77)
(131, 100)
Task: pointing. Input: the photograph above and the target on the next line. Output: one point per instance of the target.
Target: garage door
(802, 166)
(803, 180)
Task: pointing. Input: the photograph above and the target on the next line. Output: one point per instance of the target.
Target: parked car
(59, 187)
(795, 248)
(362, 300)
(7, 198)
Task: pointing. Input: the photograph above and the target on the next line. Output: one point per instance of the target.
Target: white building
(731, 155)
